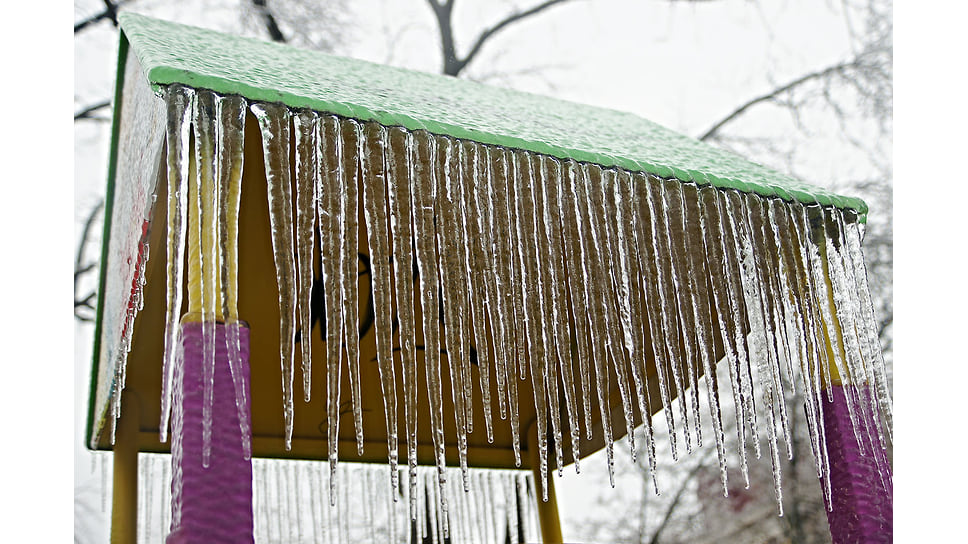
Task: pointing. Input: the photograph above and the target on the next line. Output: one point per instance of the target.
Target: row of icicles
(544, 253)
(289, 505)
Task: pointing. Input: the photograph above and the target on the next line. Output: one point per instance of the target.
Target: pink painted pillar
(862, 509)
(214, 504)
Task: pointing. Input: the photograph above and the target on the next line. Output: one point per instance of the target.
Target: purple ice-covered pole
(214, 504)
(861, 506)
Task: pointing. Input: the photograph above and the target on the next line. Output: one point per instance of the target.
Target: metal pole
(124, 501)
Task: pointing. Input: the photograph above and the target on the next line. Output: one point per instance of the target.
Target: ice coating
(531, 269)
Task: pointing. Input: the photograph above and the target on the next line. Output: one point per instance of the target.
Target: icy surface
(598, 286)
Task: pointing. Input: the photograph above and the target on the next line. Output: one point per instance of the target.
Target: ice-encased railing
(546, 253)
(290, 504)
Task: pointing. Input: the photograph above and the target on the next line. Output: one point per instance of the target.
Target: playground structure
(585, 268)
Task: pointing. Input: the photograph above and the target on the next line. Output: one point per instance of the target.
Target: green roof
(264, 71)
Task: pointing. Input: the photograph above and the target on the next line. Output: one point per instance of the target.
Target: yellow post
(547, 511)
(124, 507)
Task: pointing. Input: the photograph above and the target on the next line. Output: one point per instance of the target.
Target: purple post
(214, 504)
(862, 509)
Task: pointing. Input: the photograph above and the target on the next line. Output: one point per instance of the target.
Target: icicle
(555, 298)
(500, 282)
(817, 354)
(861, 379)
(423, 197)
(626, 233)
(682, 288)
(617, 300)
(329, 150)
(702, 309)
(739, 230)
(274, 122)
(530, 292)
(575, 276)
(401, 171)
(793, 301)
(762, 256)
(472, 230)
(590, 261)
(375, 210)
(304, 124)
(868, 323)
(664, 335)
(179, 102)
(349, 183)
(503, 170)
(231, 115)
(455, 195)
(203, 265)
(711, 227)
(450, 265)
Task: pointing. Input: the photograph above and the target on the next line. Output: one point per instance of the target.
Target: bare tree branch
(775, 94)
(679, 493)
(87, 113)
(110, 12)
(81, 269)
(272, 26)
(453, 65)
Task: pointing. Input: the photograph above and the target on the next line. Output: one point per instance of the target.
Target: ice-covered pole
(214, 503)
(859, 499)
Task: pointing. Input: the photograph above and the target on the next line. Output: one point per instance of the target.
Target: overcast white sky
(682, 65)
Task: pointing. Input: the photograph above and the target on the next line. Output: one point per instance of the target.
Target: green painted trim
(123, 47)
(271, 72)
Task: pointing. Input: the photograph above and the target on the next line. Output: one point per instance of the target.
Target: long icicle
(375, 141)
(452, 299)
(179, 102)
(769, 291)
(618, 309)
(556, 302)
(674, 237)
(626, 233)
(741, 323)
(274, 122)
(868, 327)
(423, 196)
(304, 125)
(739, 228)
(590, 253)
(206, 200)
(667, 333)
(328, 149)
(575, 276)
(231, 146)
(536, 345)
(501, 286)
(702, 315)
(473, 233)
(349, 183)
(401, 170)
